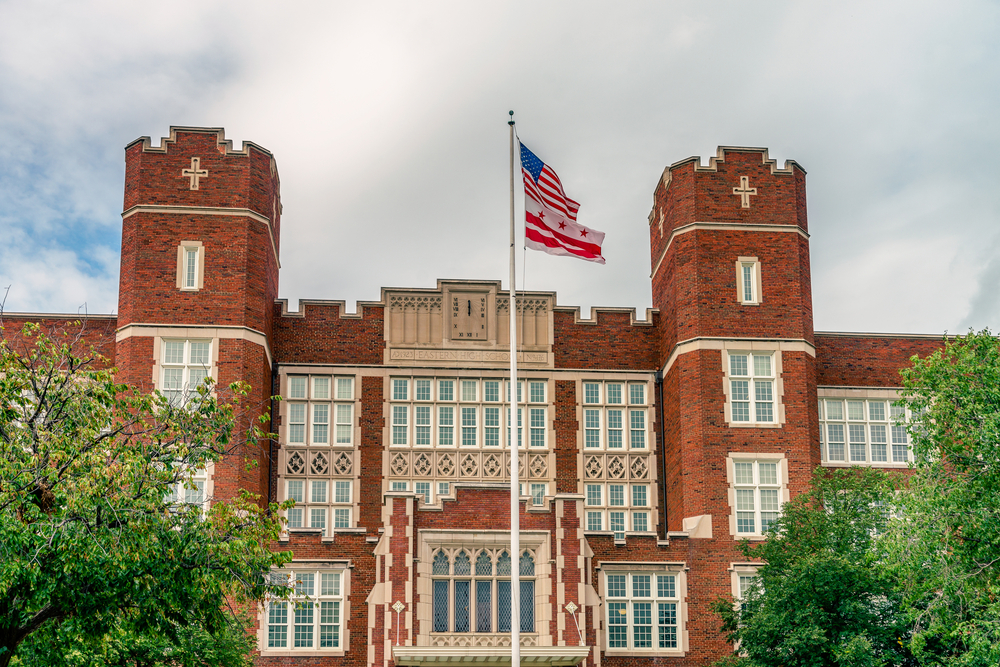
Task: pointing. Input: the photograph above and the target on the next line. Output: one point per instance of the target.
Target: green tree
(946, 553)
(97, 565)
(821, 596)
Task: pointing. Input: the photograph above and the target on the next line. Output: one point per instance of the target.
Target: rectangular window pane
(484, 609)
(491, 427)
(344, 424)
(640, 521)
(296, 386)
(192, 268)
(277, 625)
(744, 472)
(444, 488)
(400, 390)
(738, 364)
(638, 431)
(595, 521)
(345, 388)
(329, 628)
(318, 492)
(295, 517)
(200, 353)
(422, 425)
(617, 625)
(295, 490)
(536, 392)
(424, 489)
(536, 431)
(400, 417)
(469, 427)
(422, 390)
(330, 583)
(491, 390)
(503, 606)
(591, 428)
(440, 606)
(835, 442)
(617, 524)
(317, 518)
(639, 495)
(616, 495)
(343, 492)
(668, 625)
(341, 517)
(614, 429)
(321, 423)
(468, 390)
(747, 271)
(527, 606)
(637, 394)
(855, 410)
(591, 393)
(173, 352)
(768, 473)
(462, 606)
(614, 393)
(834, 410)
(876, 411)
(321, 387)
(642, 629)
(665, 586)
(446, 390)
(762, 365)
(594, 495)
(446, 426)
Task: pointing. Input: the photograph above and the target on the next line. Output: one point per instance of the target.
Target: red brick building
(642, 465)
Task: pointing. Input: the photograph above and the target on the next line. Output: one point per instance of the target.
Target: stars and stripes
(550, 216)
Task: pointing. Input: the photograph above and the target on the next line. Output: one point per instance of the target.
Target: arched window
(463, 602)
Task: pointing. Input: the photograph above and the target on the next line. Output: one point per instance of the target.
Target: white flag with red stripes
(550, 216)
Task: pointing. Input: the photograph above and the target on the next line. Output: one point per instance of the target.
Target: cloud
(388, 122)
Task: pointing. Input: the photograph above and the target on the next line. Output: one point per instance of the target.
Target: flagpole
(515, 499)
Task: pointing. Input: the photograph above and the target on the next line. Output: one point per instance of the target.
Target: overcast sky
(388, 123)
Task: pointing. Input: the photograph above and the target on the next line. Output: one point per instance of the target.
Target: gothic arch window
(464, 602)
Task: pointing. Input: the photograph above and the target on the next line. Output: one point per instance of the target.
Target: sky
(388, 121)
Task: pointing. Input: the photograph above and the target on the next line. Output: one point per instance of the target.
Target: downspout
(271, 429)
(663, 451)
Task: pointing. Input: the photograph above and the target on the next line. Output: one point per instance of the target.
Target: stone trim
(719, 343)
(207, 210)
(215, 332)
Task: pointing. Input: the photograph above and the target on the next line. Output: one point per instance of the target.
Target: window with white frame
(312, 618)
(320, 504)
(191, 490)
(614, 415)
(464, 413)
(184, 364)
(748, 290)
(752, 388)
(471, 590)
(618, 508)
(190, 266)
(863, 431)
(757, 494)
(643, 610)
(320, 410)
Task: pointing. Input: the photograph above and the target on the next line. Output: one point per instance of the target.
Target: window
(471, 590)
(863, 431)
(312, 618)
(320, 410)
(192, 490)
(190, 266)
(617, 508)
(751, 388)
(464, 413)
(322, 504)
(184, 365)
(643, 610)
(608, 422)
(757, 494)
(537, 494)
(748, 281)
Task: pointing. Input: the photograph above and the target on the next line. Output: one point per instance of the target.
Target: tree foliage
(821, 596)
(946, 553)
(97, 566)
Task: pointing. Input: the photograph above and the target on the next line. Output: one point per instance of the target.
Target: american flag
(550, 216)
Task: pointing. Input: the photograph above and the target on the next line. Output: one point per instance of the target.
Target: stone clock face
(468, 316)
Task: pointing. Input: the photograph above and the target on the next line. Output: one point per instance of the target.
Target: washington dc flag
(550, 216)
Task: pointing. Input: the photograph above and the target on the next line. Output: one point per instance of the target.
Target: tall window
(614, 416)
(757, 487)
(312, 618)
(751, 388)
(748, 281)
(320, 410)
(184, 364)
(642, 610)
(190, 265)
(190, 491)
(618, 508)
(863, 431)
(471, 590)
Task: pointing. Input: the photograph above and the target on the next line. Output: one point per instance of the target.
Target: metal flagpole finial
(511, 121)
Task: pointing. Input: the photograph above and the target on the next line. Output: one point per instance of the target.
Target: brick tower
(730, 275)
(199, 273)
